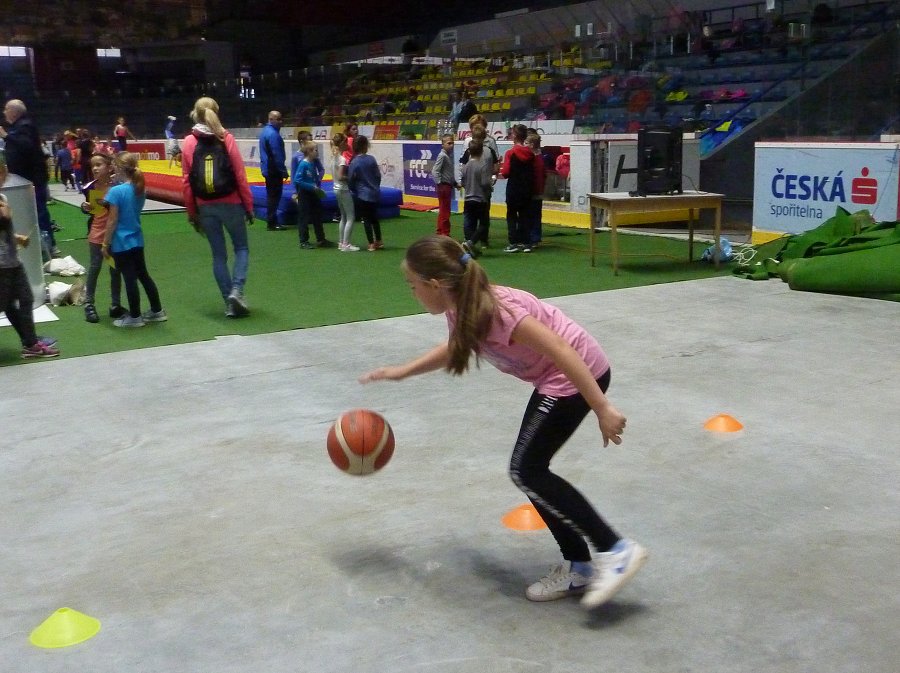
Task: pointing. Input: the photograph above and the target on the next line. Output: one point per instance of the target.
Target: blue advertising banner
(418, 158)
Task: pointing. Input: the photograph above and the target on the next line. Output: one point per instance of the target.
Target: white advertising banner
(797, 186)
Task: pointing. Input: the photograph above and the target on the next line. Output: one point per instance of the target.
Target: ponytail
(206, 111)
(443, 259)
(137, 181)
(127, 162)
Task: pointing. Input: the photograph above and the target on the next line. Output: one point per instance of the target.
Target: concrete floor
(182, 496)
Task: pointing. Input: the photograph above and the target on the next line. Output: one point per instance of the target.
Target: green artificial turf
(289, 288)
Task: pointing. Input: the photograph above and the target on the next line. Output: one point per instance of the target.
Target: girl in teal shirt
(124, 242)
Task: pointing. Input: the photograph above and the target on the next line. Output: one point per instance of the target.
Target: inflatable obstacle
(164, 184)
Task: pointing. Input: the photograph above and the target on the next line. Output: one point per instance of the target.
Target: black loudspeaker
(659, 160)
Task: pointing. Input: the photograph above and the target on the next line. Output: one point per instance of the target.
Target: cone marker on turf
(723, 423)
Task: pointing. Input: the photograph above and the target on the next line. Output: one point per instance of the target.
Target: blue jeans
(216, 219)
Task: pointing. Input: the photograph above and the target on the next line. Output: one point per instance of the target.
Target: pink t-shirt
(522, 362)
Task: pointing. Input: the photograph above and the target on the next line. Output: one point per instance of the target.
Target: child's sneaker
(560, 582)
(512, 247)
(613, 569)
(471, 248)
(379, 245)
(372, 247)
(90, 313)
(116, 311)
(39, 350)
(128, 321)
(349, 247)
(154, 316)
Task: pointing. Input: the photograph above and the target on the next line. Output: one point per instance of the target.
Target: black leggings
(367, 211)
(547, 424)
(93, 275)
(17, 301)
(133, 269)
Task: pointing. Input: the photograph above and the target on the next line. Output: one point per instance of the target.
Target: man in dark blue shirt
(272, 164)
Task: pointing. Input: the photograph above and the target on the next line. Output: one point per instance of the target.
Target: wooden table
(615, 204)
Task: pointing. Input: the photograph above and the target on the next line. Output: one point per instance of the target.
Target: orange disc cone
(523, 517)
(723, 423)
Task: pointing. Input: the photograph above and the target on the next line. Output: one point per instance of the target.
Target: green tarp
(847, 254)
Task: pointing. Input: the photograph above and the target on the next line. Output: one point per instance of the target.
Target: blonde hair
(206, 111)
(338, 143)
(127, 163)
(308, 146)
(443, 259)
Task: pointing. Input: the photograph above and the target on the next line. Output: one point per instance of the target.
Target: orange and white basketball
(360, 442)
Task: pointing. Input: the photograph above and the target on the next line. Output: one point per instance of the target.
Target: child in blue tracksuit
(64, 163)
(307, 185)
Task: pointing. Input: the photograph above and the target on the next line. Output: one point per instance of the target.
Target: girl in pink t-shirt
(536, 342)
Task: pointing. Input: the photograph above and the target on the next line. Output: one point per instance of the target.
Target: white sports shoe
(237, 303)
(613, 570)
(560, 582)
(154, 316)
(128, 321)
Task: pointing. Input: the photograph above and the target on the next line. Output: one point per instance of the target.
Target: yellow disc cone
(63, 628)
(523, 517)
(723, 423)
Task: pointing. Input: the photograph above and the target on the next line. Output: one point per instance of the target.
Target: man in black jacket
(25, 157)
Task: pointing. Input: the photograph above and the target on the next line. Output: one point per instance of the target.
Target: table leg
(592, 233)
(691, 217)
(613, 240)
(717, 233)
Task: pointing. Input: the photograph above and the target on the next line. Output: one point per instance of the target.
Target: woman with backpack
(217, 198)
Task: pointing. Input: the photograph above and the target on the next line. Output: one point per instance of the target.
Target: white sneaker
(560, 582)
(154, 316)
(613, 570)
(237, 303)
(128, 321)
(349, 247)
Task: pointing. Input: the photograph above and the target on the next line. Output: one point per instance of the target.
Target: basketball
(360, 442)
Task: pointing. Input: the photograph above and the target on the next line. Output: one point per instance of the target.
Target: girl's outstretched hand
(382, 374)
(612, 425)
